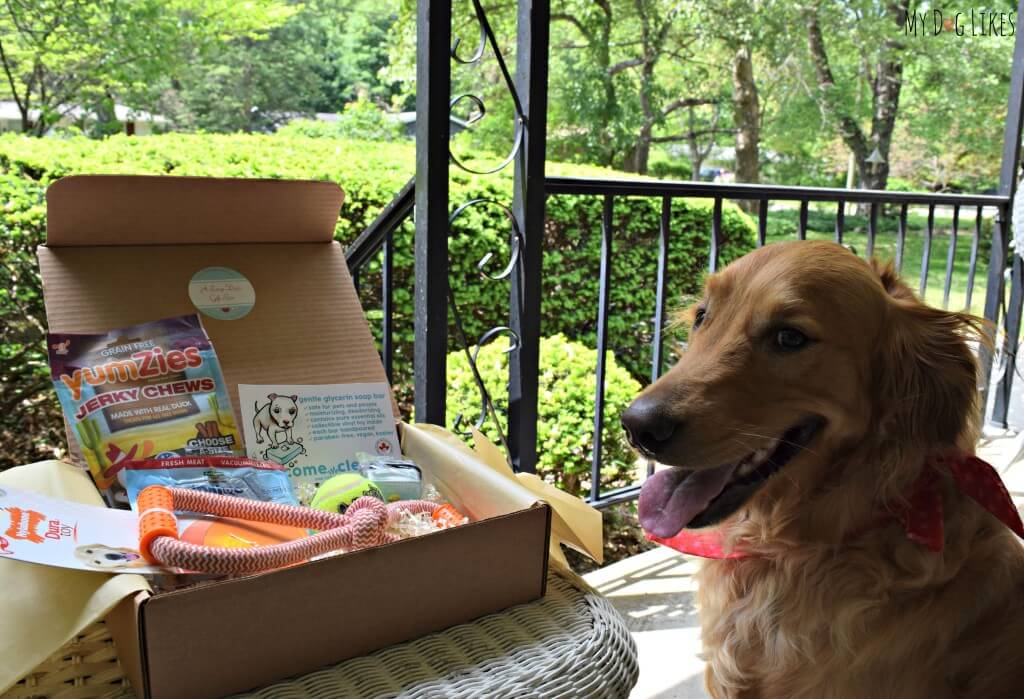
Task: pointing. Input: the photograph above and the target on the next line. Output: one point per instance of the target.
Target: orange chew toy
(156, 519)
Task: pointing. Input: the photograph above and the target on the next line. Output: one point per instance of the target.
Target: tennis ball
(337, 493)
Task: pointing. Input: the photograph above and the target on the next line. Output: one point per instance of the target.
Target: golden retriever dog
(814, 390)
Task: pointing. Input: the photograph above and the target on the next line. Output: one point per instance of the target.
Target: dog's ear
(929, 377)
(891, 281)
(272, 396)
(294, 398)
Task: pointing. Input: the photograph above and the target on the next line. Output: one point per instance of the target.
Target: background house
(133, 121)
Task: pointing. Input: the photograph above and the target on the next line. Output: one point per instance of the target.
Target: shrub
(360, 120)
(30, 424)
(666, 167)
(565, 426)
(371, 174)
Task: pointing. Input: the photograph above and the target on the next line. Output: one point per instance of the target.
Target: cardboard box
(121, 250)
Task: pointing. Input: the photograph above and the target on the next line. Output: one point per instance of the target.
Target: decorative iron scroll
(516, 242)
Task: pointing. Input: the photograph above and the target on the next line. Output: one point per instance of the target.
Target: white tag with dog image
(39, 529)
(316, 431)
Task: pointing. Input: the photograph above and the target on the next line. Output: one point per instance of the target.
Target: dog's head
(283, 409)
(799, 355)
(105, 557)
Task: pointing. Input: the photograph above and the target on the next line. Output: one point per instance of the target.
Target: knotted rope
(364, 524)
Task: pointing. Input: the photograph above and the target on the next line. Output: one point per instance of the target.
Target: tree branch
(559, 17)
(624, 65)
(690, 134)
(686, 102)
(23, 108)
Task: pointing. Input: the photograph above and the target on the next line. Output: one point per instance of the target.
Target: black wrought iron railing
(437, 52)
(378, 240)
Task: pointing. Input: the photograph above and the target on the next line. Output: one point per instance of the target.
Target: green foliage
(665, 167)
(359, 121)
(58, 55)
(565, 426)
(326, 54)
(30, 423)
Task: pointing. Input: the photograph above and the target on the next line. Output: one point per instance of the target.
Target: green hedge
(371, 173)
(565, 424)
(30, 422)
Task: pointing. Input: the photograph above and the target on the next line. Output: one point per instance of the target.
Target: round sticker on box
(221, 293)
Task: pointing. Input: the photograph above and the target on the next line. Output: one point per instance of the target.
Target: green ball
(337, 493)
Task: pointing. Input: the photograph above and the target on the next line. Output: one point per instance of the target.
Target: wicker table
(571, 644)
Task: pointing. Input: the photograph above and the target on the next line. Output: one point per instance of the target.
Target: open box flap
(306, 325)
(574, 522)
(148, 210)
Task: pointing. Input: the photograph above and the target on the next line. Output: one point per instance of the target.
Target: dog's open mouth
(677, 498)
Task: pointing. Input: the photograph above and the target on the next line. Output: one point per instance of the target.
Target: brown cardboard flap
(115, 209)
(306, 326)
(123, 624)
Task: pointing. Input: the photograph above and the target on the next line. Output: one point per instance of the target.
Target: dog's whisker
(780, 441)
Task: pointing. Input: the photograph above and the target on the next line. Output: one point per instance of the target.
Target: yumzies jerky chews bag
(153, 390)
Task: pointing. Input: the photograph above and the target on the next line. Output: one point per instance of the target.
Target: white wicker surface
(571, 644)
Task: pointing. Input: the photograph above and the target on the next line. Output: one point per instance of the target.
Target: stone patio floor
(654, 593)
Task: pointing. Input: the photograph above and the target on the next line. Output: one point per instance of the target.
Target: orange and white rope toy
(364, 524)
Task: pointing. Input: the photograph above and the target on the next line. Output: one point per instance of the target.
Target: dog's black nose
(648, 426)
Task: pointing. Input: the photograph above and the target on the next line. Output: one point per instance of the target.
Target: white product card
(39, 529)
(317, 431)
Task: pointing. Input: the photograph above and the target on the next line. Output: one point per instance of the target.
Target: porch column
(433, 88)
(528, 206)
(1002, 232)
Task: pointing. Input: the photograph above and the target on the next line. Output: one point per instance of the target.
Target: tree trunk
(697, 153)
(747, 115)
(639, 156)
(888, 83)
(885, 97)
(602, 49)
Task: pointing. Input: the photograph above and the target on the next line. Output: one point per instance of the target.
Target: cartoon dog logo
(108, 558)
(276, 416)
(62, 348)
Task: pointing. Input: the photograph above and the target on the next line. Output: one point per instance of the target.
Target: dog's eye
(277, 410)
(790, 339)
(291, 411)
(698, 318)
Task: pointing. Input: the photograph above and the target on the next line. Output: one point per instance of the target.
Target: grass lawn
(783, 222)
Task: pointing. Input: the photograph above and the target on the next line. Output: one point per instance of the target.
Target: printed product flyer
(38, 529)
(317, 431)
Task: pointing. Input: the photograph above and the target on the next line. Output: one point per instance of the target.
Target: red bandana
(921, 516)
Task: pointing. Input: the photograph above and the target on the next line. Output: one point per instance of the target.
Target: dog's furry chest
(780, 629)
(859, 625)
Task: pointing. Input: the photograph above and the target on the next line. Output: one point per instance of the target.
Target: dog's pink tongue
(671, 498)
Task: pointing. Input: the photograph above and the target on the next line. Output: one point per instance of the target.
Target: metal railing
(378, 240)
(432, 295)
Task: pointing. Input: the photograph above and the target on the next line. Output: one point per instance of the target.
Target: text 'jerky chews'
(153, 390)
